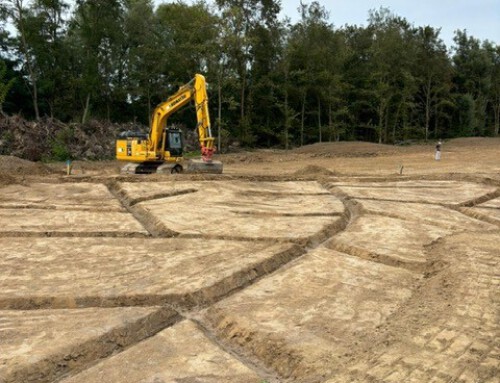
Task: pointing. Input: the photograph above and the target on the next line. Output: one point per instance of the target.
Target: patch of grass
(193, 154)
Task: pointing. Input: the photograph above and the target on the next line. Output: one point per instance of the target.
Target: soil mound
(473, 142)
(344, 149)
(314, 170)
(15, 166)
(246, 158)
(5, 179)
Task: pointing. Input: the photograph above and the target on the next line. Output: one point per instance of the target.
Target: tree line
(273, 82)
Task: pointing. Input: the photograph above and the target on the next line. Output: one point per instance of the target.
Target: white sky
(481, 18)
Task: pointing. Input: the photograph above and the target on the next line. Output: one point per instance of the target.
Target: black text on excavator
(161, 151)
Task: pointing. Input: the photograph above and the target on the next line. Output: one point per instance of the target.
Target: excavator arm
(195, 90)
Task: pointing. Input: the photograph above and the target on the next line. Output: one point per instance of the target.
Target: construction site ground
(331, 263)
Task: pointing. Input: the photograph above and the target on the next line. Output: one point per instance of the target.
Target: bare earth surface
(332, 263)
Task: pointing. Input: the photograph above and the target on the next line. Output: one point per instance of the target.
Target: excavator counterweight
(161, 151)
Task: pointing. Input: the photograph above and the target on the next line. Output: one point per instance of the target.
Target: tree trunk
(242, 109)
(331, 127)
(396, 119)
(319, 120)
(302, 117)
(148, 95)
(480, 104)
(86, 110)
(35, 97)
(380, 122)
(287, 118)
(242, 101)
(108, 110)
(427, 109)
(386, 128)
(219, 113)
(436, 121)
(496, 112)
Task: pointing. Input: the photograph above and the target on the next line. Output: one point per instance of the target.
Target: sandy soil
(332, 263)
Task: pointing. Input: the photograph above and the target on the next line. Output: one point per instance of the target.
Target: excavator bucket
(200, 166)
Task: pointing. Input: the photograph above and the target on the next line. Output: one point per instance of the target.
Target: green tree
(188, 45)
(267, 87)
(5, 85)
(393, 83)
(4, 33)
(473, 70)
(315, 59)
(189, 35)
(146, 59)
(250, 34)
(222, 74)
(236, 16)
(45, 30)
(356, 72)
(97, 32)
(493, 52)
(19, 13)
(433, 72)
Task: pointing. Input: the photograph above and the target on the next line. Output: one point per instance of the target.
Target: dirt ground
(331, 263)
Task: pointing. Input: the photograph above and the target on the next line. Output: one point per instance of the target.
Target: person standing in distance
(438, 151)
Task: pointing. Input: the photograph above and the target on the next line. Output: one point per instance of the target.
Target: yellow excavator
(161, 150)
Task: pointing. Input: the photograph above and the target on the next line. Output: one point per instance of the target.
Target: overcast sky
(481, 18)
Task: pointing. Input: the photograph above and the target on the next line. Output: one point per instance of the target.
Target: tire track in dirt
(403, 201)
(53, 207)
(71, 234)
(361, 178)
(265, 214)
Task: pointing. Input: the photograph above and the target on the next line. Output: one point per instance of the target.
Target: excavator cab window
(174, 142)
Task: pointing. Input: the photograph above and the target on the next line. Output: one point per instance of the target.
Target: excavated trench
(317, 296)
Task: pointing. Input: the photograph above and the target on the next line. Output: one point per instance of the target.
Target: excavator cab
(174, 142)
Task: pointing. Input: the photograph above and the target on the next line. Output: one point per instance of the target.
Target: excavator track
(141, 168)
(194, 166)
(200, 166)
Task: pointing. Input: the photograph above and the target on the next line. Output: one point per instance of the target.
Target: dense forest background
(272, 82)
